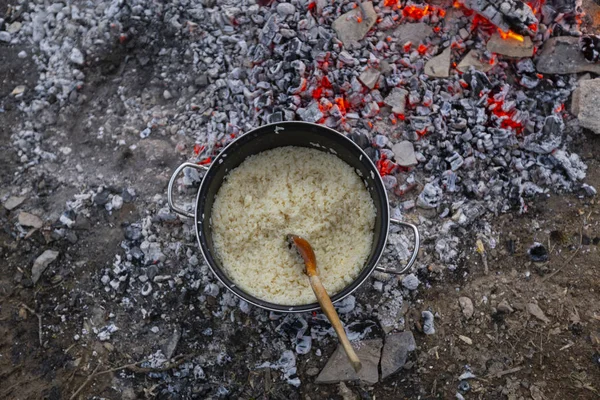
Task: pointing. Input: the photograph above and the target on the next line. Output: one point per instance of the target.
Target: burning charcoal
(529, 82)
(268, 32)
(293, 326)
(370, 110)
(346, 305)
(360, 139)
(590, 47)
(456, 161)
(430, 196)
(353, 25)
(310, 114)
(439, 66)
(538, 253)
(508, 15)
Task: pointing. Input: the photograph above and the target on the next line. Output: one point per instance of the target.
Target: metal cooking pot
(278, 135)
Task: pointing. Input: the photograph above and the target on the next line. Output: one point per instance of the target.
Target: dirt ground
(516, 354)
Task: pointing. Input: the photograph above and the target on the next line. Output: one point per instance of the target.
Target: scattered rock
(338, 367)
(466, 339)
(30, 220)
(167, 95)
(395, 352)
(404, 153)
(41, 263)
(428, 323)
(76, 56)
(13, 202)
(397, 100)
(538, 253)
(347, 27)
(415, 33)
(505, 307)
(369, 77)
(14, 27)
(439, 66)
(472, 59)
(466, 306)
(101, 198)
(18, 90)
(588, 103)
(312, 371)
(411, 282)
(510, 47)
(346, 392)
(285, 9)
(537, 312)
(5, 37)
(561, 55)
(171, 345)
(22, 54)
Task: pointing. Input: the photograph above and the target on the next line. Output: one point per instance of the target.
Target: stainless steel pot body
(281, 134)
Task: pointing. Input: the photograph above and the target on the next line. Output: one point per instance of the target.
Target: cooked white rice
(292, 190)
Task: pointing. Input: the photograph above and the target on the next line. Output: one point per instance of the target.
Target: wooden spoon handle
(332, 315)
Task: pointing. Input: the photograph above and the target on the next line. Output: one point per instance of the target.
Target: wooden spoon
(307, 253)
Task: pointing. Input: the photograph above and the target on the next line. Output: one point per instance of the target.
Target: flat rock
(347, 27)
(397, 100)
(466, 306)
(369, 77)
(338, 368)
(30, 220)
(439, 66)
(404, 153)
(41, 263)
(510, 47)
(588, 103)
(395, 352)
(472, 60)
(537, 312)
(13, 202)
(415, 33)
(561, 55)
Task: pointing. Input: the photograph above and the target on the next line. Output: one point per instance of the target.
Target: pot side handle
(172, 205)
(413, 257)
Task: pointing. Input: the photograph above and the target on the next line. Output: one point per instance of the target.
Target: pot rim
(298, 308)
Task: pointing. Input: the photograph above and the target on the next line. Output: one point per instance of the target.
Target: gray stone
(41, 263)
(404, 153)
(171, 345)
(167, 95)
(505, 307)
(428, 322)
(472, 60)
(285, 9)
(415, 33)
(346, 392)
(510, 47)
(76, 56)
(439, 66)
(561, 55)
(338, 367)
(537, 312)
(14, 27)
(588, 103)
(30, 220)
(369, 77)
(411, 282)
(395, 352)
(347, 27)
(466, 306)
(5, 37)
(397, 100)
(13, 202)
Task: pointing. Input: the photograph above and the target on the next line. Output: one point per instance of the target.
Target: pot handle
(413, 257)
(172, 205)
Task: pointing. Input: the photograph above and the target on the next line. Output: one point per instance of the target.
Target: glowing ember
(390, 3)
(385, 166)
(510, 35)
(198, 149)
(422, 49)
(206, 161)
(506, 117)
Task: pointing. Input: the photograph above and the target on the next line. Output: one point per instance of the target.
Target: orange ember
(505, 117)
(384, 166)
(510, 35)
(390, 3)
(422, 49)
